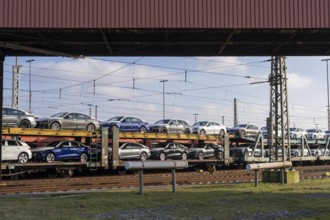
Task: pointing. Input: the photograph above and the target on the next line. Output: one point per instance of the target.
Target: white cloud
(297, 81)
(223, 64)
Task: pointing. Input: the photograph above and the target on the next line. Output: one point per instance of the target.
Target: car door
(210, 128)
(73, 151)
(180, 126)
(124, 151)
(82, 121)
(13, 149)
(208, 151)
(215, 128)
(5, 150)
(125, 124)
(135, 151)
(61, 150)
(13, 117)
(173, 126)
(170, 150)
(135, 124)
(5, 120)
(69, 121)
(178, 149)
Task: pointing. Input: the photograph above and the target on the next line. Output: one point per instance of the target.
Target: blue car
(130, 124)
(62, 150)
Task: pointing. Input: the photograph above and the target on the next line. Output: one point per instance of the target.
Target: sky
(201, 87)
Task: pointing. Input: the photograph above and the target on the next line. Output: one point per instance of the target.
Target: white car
(297, 133)
(265, 132)
(296, 152)
(320, 151)
(316, 134)
(208, 128)
(14, 150)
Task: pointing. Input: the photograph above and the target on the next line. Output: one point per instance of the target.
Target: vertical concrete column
(2, 59)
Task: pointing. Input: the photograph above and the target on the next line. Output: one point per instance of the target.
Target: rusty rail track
(83, 183)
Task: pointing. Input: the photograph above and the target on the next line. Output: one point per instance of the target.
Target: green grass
(309, 199)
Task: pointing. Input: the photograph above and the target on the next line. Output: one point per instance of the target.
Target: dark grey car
(171, 126)
(169, 150)
(132, 151)
(69, 120)
(12, 117)
(202, 151)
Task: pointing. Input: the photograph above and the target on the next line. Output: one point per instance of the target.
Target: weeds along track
(83, 183)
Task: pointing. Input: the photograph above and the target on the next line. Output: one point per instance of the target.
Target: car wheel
(222, 132)
(113, 127)
(242, 133)
(83, 157)
(296, 154)
(187, 131)
(201, 155)
(143, 130)
(50, 158)
(202, 132)
(324, 137)
(55, 126)
(143, 156)
(23, 158)
(164, 130)
(184, 156)
(90, 127)
(162, 156)
(25, 124)
(294, 136)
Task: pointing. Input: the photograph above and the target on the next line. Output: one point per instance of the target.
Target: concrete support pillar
(2, 60)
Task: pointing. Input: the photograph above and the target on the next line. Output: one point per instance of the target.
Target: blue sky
(205, 86)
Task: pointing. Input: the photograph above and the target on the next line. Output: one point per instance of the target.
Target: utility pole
(90, 109)
(235, 112)
(163, 81)
(15, 85)
(2, 59)
(280, 112)
(96, 111)
(223, 119)
(328, 92)
(195, 117)
(30, 91)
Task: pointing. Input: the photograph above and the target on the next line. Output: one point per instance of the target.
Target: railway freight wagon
(237, 151)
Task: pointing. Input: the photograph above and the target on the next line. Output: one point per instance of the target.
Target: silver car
(14, 150)
(69, 120)
(209, 127)
(132, 151)
(297, 133)
(12, 117)
(201, 151)
(319, 151)
(244, 130)
(316, 134)
(171, 126)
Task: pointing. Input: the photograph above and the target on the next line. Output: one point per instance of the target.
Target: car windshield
(197, 146)
(53, 144)
(61, 114)
(311, 130)
(293, 129)
(118, 118)
(241, 126)
(164, 121)
(201, 123)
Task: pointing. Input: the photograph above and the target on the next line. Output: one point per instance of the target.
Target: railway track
(83, 183)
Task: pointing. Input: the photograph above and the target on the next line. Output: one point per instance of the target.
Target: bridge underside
(164, 42)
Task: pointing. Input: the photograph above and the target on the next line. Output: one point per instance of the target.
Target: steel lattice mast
(279, 112)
